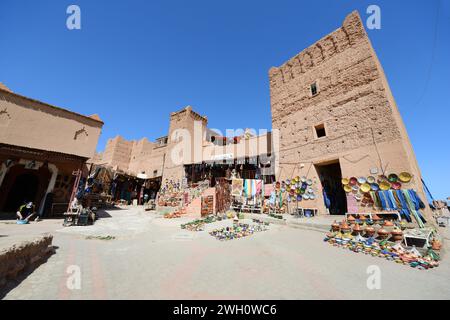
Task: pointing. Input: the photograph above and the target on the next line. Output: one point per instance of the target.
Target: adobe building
(337, 116)
(164, 159)
(40, 147)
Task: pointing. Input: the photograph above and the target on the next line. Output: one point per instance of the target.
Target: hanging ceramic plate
(345, 181)
(297, 179)
(362, 180)
(288, 182)
(358, 197)
(365, 187)
(302, 191)
(382, 178)
(353, 181)
(291, 192)
(370, 179)
(385, 185)
(393, 178)
(304, 186)
(299, 198)
(405, 177)
(347, 188)
(310, 190)
(312, 197)
(303, 179)
(355, 189)
(374, 186)
(305, 197)
(309, 182)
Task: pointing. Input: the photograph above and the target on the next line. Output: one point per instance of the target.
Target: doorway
(330, 176)
(25, 188)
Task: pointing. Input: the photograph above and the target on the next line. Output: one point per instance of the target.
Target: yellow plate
(345, 181)
(405, 177)
(347, 188)
(385, 186)
(366, 187)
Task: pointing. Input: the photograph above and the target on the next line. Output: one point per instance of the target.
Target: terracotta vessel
(335, 226)
(370, 231)
(376, 218)
(357, 229)
(397, 234)
(383, 233)
(388, 223)
(436, 244)
(345, 227)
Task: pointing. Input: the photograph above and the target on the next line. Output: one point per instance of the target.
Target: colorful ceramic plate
(405, 177)
(393, 178)
(371, 179)
(347, 188)
(345, 181)
(385, 185)
(365, 187)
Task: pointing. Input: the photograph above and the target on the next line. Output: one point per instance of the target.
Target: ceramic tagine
(436, 244)
(357, 230)
(335, 226)
(383, 233)
(397, 234)
(370, 231)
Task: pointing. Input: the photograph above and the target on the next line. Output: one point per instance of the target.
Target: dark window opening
(320, 131)
(314, 90)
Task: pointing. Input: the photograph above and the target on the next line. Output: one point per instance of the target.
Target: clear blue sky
(133, 62)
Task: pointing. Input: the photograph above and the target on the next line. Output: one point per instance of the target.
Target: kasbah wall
(363, 126)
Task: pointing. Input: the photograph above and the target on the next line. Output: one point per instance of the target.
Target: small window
(314, 90)
(155, 173)
(320, 131)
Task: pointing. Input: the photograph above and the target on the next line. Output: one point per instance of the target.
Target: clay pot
(335, 226)
(388, 223)
(344, 227)
(362, 218)
(436, 244)
(376, 218)
(357, 229)
(351, 219)
(397, 234)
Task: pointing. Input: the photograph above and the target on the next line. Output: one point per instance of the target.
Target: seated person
(26, 212)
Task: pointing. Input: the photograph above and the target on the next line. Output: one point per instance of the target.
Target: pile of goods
(296, 189)
(175, 214)
(387, 193)
(238, 230)
(199, 224)
(379, 241)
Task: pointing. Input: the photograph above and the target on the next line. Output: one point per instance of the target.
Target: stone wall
(23, 257)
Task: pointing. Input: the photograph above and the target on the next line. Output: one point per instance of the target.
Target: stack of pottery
(335, 226)
(369, 231)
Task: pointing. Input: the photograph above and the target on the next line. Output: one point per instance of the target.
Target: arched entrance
(21, 184)
(24, 189)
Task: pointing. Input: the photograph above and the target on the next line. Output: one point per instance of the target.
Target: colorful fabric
(237, 187)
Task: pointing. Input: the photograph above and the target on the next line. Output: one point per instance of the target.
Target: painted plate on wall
(405, 177)
(371, 179)
(345, 181)
(347, 188)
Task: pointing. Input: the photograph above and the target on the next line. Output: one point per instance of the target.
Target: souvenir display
(369, 245)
